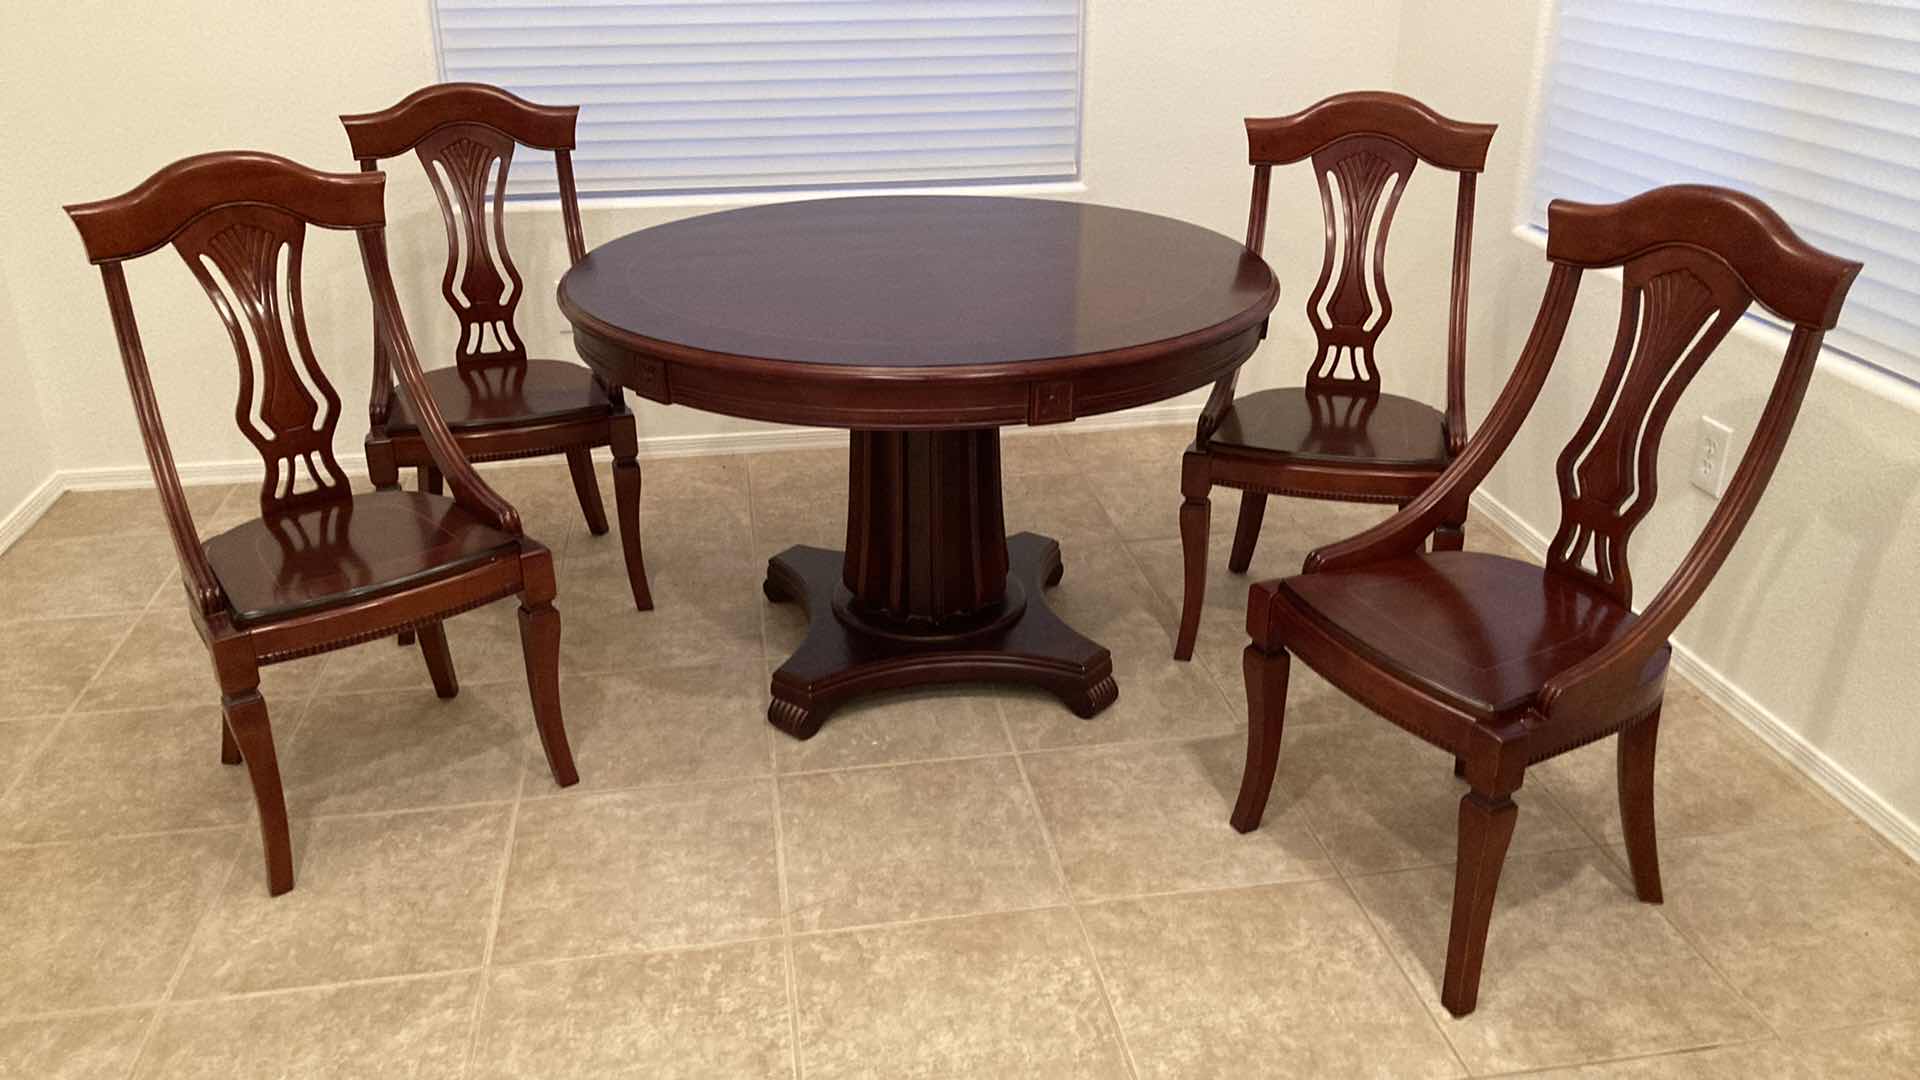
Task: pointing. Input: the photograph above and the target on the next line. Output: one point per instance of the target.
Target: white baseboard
(1833, 777)
(247, 470)
(21, 518)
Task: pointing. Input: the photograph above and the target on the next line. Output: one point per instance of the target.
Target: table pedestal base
(846, 654)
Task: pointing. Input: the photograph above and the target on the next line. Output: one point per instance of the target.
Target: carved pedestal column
(930, 588)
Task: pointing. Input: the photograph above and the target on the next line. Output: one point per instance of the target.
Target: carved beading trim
(1586, 740)
(1302, 493)
(386, 629)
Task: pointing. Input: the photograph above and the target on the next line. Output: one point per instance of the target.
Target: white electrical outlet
(1710, 464)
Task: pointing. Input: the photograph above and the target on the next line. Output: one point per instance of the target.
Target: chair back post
(380, 394)
(1221, 397)
(196, 574)
(570, 207)
(390, 328)
(1456, 408)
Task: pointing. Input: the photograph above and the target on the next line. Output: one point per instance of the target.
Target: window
(731, 95)
(1812, 105)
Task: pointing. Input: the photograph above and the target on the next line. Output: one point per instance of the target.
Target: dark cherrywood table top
(845, 312)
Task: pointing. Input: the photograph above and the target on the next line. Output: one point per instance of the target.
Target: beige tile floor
(965, 883)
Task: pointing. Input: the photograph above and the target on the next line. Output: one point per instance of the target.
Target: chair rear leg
(1636, 805)
(1486, 827)
(1266, 675)
(540, 640)
(626, 503)
(587, 490)
(1196, 513)
(1253, 508)
(433, 647)
(1450, 538)
(245, 713)
(229, 750)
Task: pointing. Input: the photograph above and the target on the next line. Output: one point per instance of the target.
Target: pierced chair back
(1693, 260)
(1363, 147)
(464, 135)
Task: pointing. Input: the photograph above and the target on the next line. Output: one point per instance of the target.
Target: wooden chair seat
(1332, 427)
(295, 562)
(541, 392)
(1482, 632)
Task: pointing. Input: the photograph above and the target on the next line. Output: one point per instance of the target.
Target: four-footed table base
(846, 654)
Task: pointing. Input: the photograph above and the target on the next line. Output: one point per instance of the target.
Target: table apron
(909, 399)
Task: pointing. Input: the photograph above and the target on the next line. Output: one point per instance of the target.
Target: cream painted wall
(1164, 94)
(1811, 624)
(23, 434)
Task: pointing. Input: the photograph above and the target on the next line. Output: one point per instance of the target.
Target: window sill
(717, 200)
(1762, 330)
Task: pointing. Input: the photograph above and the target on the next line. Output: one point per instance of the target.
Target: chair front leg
(1266, 675)
(245, 714)
(1196, 513)
(625, 442)
(1636, 804)
(1246, 533)
(1486, 827)
(540, 642)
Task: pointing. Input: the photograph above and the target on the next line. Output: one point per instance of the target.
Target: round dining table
(922, 325)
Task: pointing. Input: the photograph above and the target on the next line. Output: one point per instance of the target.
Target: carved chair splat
(499, 402)
(1338, 436)
(1504, 664)
(321, 568)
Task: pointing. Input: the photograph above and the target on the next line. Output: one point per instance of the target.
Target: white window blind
(1812, 105)
(723, 95)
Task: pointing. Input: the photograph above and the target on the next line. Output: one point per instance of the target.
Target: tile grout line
(1406, 976)
(478, 1009)
(789, 963)
(794, 1063)
(1073, 906)
(65, 715)
(1658, 1055)
(1373, 927)
(1386, 946)
(213, 901)
(186, 954)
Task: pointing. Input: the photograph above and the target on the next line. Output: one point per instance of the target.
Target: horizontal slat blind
(723, 95)
(1812, 105)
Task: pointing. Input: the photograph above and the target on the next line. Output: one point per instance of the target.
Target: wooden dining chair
(1504, 664)
(321, 568)
(499, 402)
(1339, 436)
